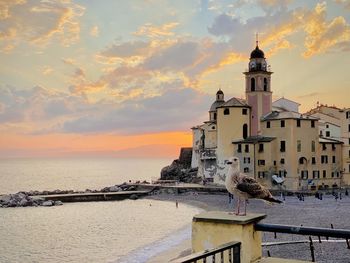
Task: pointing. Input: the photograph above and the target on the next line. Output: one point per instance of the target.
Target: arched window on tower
(265, 84)
(245, 131)
(215, 116)
(252, 84)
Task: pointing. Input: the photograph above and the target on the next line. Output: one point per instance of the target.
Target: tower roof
(257, 53)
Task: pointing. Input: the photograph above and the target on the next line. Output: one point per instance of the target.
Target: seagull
(244, 187)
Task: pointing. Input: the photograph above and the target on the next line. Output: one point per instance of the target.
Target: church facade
(277, 145)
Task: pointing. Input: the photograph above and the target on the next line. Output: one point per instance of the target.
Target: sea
(112, 231)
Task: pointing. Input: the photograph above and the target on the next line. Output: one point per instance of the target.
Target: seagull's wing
(250, 186)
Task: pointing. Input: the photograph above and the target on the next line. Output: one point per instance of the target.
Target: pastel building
(277, 145)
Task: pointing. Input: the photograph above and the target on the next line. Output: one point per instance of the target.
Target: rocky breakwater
(180, 169)
(35, 198)
(22, 199)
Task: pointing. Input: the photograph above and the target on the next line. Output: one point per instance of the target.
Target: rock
(134, 197)
(5, 199)
(114, 188)
(58, 203)
(48, 203)
(24, 202)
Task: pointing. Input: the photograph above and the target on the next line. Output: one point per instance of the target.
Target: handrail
(234, 249)
(301, 230)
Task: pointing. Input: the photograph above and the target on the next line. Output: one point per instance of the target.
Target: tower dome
(257, 53)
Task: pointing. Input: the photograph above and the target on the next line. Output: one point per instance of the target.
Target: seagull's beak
(229, 162)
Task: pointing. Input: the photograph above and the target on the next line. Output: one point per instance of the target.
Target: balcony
(208, 154)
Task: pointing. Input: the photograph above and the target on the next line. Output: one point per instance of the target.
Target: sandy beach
(310, 212)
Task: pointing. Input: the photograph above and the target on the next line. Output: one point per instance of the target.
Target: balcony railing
(306, 231)
(230, 251)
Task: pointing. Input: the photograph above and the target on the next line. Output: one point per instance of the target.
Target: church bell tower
(258, 88)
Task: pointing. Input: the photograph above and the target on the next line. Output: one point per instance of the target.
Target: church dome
(219, 92)
(257, 53)
(216, 104)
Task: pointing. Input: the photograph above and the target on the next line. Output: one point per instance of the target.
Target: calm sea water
(119, 231)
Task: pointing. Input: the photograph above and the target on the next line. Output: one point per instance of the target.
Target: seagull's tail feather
(273, 200)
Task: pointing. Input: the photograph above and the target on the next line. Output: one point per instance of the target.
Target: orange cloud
(321, 34)
(156, 31)
(94, 31)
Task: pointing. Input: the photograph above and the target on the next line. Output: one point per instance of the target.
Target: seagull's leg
(245, 206)
(238, 205)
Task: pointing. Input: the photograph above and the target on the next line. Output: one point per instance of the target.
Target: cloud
(94, 31)
(40, 23)
(47, 70)
(323, 35)
(81, 85)
(151, 31)
(279, 23)
(173, 110)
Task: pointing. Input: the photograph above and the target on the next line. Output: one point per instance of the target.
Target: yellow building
(277, 145)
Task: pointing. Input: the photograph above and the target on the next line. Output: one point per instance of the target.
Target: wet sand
(310, 212)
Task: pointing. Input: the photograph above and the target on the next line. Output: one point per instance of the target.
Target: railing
(230, 251)
(306, 231)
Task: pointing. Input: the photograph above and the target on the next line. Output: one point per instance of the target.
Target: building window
(298, 123)
(282, 161)
(349, 153)
(246, 148)
(313, 160)
(312, 124)
(268, 125)
(282, 173)
(302, 160)
(348, 127)
(324, 159)
(239, 148)
(261, 174)
(324, 173)
(315, 174)
(332, 174)
(283, 146)
(215, 116)
(349, 141)
(261, 147)
(261, 162)
(244, 111)
(348, 114)
(313, 146)
(265, 84)
(245, 131)
(328, 133)
(304, 174)
(252, 84)
(333, 147)
(298, 146)
(246, 169)
(333, 159)
(283, 123)
(246, 160)
(324, 146)
(227, 111)
(327, 126)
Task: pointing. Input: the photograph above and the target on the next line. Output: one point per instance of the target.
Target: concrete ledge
(227, 218)
(279, 260)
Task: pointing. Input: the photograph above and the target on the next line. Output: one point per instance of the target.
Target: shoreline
(310, 212)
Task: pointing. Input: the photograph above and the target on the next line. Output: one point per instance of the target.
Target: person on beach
(177, 204)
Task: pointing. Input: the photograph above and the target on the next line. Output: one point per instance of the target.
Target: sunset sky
(130, 78)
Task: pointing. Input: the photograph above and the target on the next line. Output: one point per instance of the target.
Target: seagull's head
(233, 161)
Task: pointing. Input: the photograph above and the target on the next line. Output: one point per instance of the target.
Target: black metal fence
(306, 231)
(229, 252)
